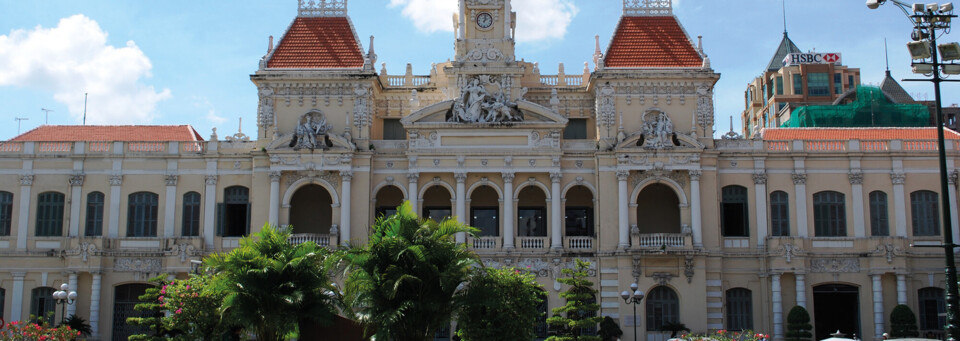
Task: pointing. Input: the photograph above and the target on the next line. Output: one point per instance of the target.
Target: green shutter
(220, 218)
(247, 223)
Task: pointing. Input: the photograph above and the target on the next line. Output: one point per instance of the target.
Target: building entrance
(836, 307)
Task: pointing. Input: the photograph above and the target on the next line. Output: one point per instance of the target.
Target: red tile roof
(110, 133)
(318, 43)
(651, 41)
(923, 133)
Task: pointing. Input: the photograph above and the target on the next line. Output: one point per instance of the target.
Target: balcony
(484, 243)
(322, 240)
(533, 243)
(659, 240)
(578, 243)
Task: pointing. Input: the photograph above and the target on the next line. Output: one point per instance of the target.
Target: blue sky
(188, 62)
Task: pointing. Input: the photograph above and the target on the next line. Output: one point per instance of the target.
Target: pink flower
(188, 287)
(160, 298)
(179, 311)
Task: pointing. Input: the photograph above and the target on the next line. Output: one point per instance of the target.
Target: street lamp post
(63, 298)
(633, 296)
(927, 20)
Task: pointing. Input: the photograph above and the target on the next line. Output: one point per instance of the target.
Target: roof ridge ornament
(322, 8)
(647, 7)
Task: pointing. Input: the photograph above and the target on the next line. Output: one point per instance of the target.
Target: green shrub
(903, 323)
(798, 324)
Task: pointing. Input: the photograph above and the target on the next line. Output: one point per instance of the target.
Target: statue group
(476, 105)
(312, 125)
(658, 131)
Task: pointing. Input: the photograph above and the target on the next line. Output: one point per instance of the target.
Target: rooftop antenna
(84, 108)
(783, 7)
(886, 55)
(46, 115)
(19, 119)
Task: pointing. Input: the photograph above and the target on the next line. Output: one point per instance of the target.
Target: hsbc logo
(811, 58)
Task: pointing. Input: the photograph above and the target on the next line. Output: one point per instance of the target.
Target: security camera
(873, 4)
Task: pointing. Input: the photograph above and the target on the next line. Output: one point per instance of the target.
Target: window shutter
(247, 224)
(220, 218)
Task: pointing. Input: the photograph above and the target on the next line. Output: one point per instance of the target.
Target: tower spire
(886, 55)
(783, 8)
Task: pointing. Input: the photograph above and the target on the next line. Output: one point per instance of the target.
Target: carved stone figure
(312, 125)
(658, 131)
(477, 105)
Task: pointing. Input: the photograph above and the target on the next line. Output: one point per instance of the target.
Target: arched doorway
(484, 211)
(658, 210)
(311, 210)
(836, 307)
(387, 200)
(125, 297)
(578, 212)
(531, 212)
(436, 203)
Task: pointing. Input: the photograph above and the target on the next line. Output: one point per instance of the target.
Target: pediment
(439, 115)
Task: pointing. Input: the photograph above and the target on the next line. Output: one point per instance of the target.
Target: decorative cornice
(799, 178)
(77, 179)
(856, 178)
(898, 178)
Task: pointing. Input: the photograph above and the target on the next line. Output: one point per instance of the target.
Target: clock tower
(485, 30)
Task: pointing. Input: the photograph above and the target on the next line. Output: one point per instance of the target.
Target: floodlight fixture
(947, 7)
(874, 4)
(919, 49)
(923, 68)
(951, 69)
(949, 51)
(917, 8)
(933, 7)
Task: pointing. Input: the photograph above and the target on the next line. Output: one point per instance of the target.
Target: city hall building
(616, 164)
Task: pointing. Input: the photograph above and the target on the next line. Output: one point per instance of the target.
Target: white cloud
(74, 58)
(536, 19)
(202, 102)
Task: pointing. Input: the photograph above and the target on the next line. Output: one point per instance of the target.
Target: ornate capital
(461, 177)
(346, 175)
(275, 176)
(952, 177)
(695, 175)
(26, 179)
(211, 180)
(171, 179)
(76, 179)
(898, 178)
(116, 180)
(622, 175)
(555, 177)
(856, 178)
(413, 177)
(508, 177)
(799, 178)
(760, 178)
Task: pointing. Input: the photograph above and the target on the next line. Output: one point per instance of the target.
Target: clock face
(484, 20)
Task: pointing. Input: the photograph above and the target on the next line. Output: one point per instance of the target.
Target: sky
(189, 62)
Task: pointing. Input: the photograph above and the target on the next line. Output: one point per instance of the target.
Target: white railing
(191, 147)
(11, 147)
(549, 80)
(319, 239)
(55, 147)
(660, 239)
(874, 146)
(919, 145)
(410, 81)
(532, 242)
(579, 243)
(146, 147)
(485, 242)
(574, 81)
(778, 146)
(825, 146)
(99, 147)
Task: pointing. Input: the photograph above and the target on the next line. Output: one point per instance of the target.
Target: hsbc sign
(811, 58)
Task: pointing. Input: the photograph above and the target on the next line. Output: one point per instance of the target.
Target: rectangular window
(850, 84)
(233, 214)
(765, 97)
(829, 214)
(94, 222)
(779, 85)
(576, 129)
(579, 221)
(531, 222)
(879, 221)
(485, 219)
(779, 214)
(733, 215)
(50, 214)
(393, 130)
(818, 84)
(6, 213)
(191, 215)
(739, 309)
(437, 213)
(142, 215)
(837, 83)
(924, 213)
(797, 84)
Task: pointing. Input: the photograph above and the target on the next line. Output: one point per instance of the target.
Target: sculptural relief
(312, 125)
(477, 105)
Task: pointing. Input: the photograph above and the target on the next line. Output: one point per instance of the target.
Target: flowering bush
(725, 335)
(32, 331)
(194, 308)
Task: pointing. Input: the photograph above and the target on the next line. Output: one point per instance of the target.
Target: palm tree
(272, 286)
(401, 285)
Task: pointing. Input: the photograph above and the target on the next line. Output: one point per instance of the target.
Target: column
(952, 181)
(72, 283)
(877, 307)
(76, 184)
(95, 304)
(274, 215)
(345, 177)
(113, 225)
(800, 188)
(901, 289)
(856, 193)
(16, 302)
(23, 214)
(623, 219)
(899, 204)
(209, 210)
(760, 192)
(508, 218)
(413, 191)
(777, 307)
(696, 217)
(170, 206)
(461, 204)
(556, 219)
(801, 290)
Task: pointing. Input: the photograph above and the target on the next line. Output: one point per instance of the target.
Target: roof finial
(322, 8)
(783, 7)
(647, 7)
(597, 55)
(886, 55)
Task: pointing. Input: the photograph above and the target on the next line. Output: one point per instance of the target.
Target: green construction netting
(870, 109)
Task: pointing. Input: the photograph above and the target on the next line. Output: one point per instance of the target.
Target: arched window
(142, 214)
(531, 212)
(125, 297)
(50, 214)
(234, 212)
(879, 219)
(42, 304)
(829, 214)
(94, 222)
(663, 307)
(191, 215)
(924, 210)
(6, 212)
(733, 212)
(578, 213)
(932, 305)
(739, 309)
(779, 214)
(484, 211)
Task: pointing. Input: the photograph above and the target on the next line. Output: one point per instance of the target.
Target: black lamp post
(63, 298)
(927, 20)
(634, 296)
